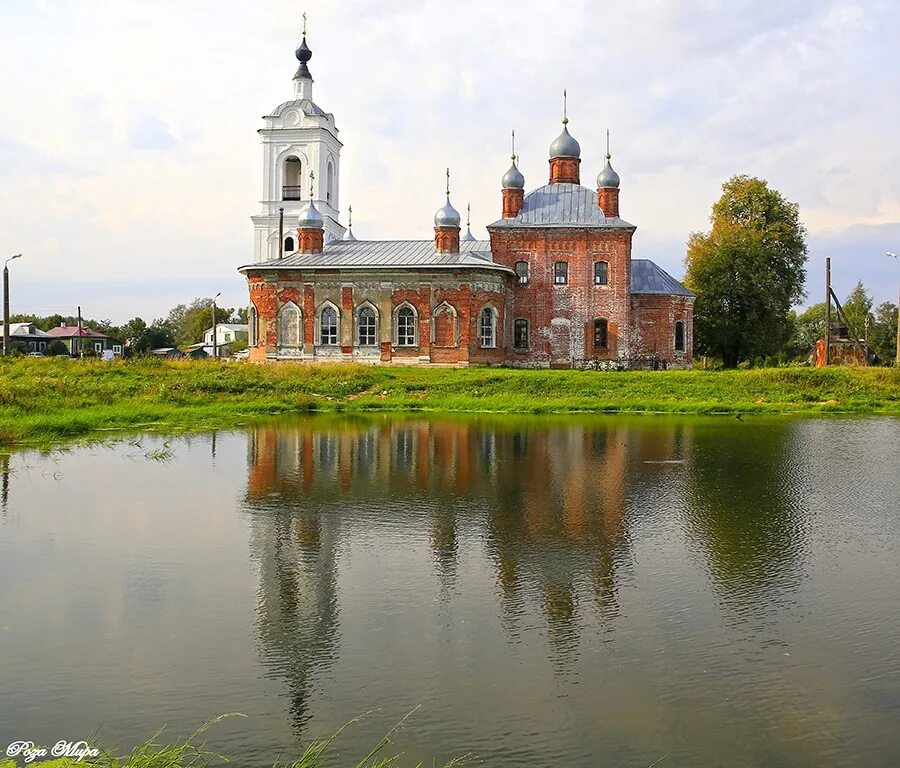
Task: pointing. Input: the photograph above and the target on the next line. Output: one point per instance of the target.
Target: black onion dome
(304, 54)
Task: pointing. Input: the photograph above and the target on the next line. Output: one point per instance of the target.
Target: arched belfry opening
(329, 183)
(293, 179)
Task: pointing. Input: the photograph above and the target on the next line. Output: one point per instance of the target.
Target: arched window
(328, 326)
(601, 333)
(520, 333)
(444, 326)
(289, 245)
(406, 326)
(522, 272)
(679, 336)
(289, 326)
(601, 272)
(487, 328)
(293, 179)
(253, 322)
(561, 273)
(329, 182)
(366, 327)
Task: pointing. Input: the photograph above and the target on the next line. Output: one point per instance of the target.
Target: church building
(554, 286)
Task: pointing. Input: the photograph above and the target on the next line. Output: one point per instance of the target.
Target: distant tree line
(749, 271)
(182, 326)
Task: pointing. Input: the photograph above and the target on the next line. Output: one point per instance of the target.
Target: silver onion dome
(513, 178)
(447, 215)
(564, 145)
(310, 218)
(607, 178)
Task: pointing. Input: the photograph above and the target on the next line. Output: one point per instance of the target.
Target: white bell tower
(298, 137)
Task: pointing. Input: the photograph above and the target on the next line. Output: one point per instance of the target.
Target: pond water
(582, 591)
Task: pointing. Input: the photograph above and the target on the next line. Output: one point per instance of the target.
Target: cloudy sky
(129, 162)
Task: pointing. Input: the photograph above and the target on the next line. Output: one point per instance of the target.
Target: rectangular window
(601, 333)
(117, 349)
(406, 328)
(679, 336)
(601, 272)
(522, 272)
(42, 345)
(98, 346)
(328, 327)
(487, 324)
(367, 328)
(520, 335)
(561, 273)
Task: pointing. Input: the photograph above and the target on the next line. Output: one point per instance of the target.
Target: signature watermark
(30, 751)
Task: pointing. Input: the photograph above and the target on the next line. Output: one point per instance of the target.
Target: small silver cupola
(565, 145)
(310, 218)
(513, 178)
(469, 237)
(447, 215)
(348, 235)
(607, 178)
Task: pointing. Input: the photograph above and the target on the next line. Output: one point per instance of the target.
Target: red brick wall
(564, 170)
(310, 240)
(654, 328)
(512, 202)
(575, 305)
(446, 239)
(444, 329)
(608, 200)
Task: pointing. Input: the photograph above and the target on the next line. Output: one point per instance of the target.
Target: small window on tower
(520, 333)
(561, 273)
(289, 245)
(679, 336)
(601, 333)
(601, 272)
(522, 272)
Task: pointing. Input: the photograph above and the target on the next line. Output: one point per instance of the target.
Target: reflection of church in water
(548, 506)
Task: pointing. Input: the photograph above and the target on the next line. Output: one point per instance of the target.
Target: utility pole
(281, 233)
(827, 310)
(215, 329)
(6, 302)
(80, 346)
(897, 358)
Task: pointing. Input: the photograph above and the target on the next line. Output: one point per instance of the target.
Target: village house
(28, 337)
(555, 285)
(72, 335)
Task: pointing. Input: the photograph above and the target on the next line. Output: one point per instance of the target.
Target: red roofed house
(100, 342)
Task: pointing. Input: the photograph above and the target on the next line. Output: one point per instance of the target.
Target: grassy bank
(50, 399)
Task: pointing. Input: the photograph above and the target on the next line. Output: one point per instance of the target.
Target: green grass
(45, 400)
(192, 753)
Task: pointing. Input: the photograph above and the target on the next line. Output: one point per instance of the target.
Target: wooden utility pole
(828, 310)
(897, 359)
(80, 347)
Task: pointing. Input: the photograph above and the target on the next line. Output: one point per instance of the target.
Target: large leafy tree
(747, 272)
(191, 320)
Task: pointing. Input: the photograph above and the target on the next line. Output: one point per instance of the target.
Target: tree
(747, 272)
(883, 336)
(57, 347)
(857, 307)
(808, 328)
(189, 322)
